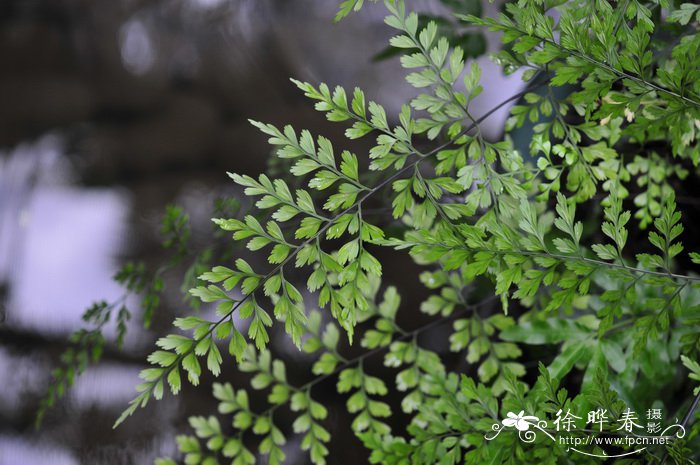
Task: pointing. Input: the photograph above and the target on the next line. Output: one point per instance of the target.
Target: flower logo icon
(520, 421)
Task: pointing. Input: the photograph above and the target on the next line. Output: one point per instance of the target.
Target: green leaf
(694, 368)
(565, 361)
(685, 13)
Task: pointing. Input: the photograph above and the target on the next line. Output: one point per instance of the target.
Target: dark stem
(685, 421)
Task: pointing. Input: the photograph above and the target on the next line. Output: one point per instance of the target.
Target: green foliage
(579, 239)
(473, 43)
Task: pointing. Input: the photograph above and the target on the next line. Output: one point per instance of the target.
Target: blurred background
(109, 111)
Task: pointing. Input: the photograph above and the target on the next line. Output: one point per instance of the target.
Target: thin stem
(404, 336)
(685, 421)
(562, 258)
(620, 73)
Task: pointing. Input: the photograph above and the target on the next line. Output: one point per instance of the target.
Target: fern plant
(571, 248)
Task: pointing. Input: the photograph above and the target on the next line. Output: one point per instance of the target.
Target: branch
(685, 421)
(403, 336)
(562, 258)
